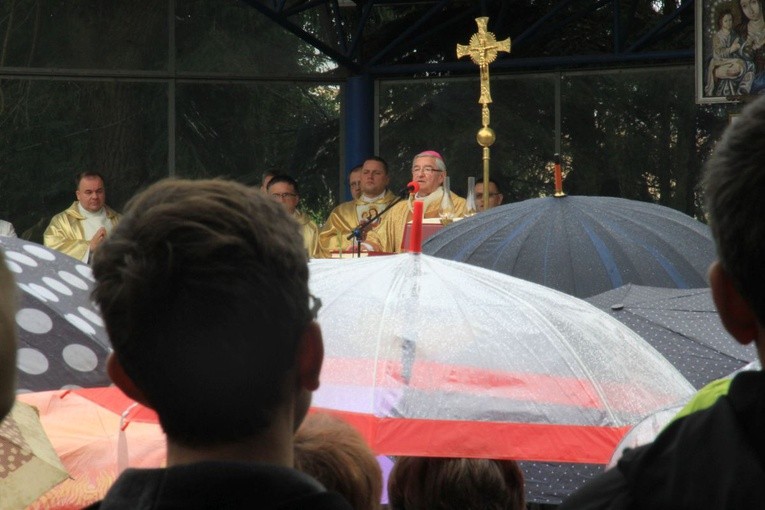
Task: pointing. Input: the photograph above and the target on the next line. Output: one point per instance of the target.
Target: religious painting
(365, 212)
(730, 50)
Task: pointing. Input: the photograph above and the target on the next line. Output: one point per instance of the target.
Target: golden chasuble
(347, 216)
(66, 234)
(387, 237)
(310, 235)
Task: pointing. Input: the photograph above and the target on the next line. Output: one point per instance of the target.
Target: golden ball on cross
(485, 136)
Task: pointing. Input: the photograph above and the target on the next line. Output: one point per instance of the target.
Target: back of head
(335, 454)
(203, 289)
(423, 483)
(7, 338)
(734, 184)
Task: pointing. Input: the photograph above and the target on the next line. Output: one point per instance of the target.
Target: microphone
(410, 189)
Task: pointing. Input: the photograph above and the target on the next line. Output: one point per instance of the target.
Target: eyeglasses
(315, 305)
(283, 195)
(426, 169)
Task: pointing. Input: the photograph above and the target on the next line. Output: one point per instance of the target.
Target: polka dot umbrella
(62, 339)
(683, 325)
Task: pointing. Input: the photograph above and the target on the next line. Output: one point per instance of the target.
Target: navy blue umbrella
(62, 338)
(583, 245)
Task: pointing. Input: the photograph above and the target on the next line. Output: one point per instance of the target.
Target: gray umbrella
(683, 325)
(62, 339)
(583, 245)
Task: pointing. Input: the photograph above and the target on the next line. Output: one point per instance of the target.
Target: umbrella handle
(124, 422)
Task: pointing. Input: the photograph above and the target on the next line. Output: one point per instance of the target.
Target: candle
(415, 240)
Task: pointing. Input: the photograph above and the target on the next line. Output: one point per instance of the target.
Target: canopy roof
(392, 37)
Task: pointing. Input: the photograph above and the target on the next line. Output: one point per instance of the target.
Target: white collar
(368, 200)
(101, 212)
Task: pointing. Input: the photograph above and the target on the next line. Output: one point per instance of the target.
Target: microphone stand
(358, 232)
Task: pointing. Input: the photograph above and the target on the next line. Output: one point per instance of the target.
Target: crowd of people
(203, 288)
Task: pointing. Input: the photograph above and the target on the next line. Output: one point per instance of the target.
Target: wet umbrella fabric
(29, 465)
(583, 245)
(97, 433)
(647, 429)
(62, 338)
(683, 325)
(437, 358)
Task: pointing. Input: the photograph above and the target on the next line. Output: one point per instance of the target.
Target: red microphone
(411, 188)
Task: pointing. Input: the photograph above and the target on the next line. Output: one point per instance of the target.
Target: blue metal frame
(344, 48)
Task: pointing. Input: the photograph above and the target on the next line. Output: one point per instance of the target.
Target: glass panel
(232, 37)
(243, 130)
(84, 34)
(639, 135)
(445, 116)
(54, 129)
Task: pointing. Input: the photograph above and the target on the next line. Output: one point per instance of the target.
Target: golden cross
(483, 49)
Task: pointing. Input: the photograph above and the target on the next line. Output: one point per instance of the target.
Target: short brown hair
(418, 483)
(334, 453)
(87, 173)
(203, 287)
(733, 185)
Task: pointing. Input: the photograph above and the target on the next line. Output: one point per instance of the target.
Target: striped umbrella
(437, 358)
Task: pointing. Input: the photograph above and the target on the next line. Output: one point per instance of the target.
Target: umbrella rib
(664, 262)
(499, 251)
(564, 341)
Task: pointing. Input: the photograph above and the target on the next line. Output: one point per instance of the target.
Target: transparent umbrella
(438, 358)
(683, 325)
(97, 432)
(649, 427)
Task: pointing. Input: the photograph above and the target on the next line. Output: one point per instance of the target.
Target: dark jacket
(219, 485)
(711, 459)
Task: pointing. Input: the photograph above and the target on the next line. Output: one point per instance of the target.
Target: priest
(79, 230)
(429, 171)
(344, 218)
(284, 189)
